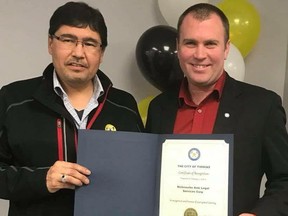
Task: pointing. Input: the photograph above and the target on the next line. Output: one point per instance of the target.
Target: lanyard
(61, 139)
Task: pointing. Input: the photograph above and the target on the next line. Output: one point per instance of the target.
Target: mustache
(77, 62)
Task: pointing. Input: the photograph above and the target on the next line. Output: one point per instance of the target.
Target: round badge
(110, 127)
(194, 154)
(190, 212)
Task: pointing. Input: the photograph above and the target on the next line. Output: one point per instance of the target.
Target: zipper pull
(59, 123)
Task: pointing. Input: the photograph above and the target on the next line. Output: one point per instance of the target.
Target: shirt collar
(184, 94)
(98, 88)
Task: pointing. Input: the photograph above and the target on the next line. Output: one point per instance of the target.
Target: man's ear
(50, 40)
(227, 49)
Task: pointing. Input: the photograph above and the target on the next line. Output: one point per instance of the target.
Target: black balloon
(156, 56)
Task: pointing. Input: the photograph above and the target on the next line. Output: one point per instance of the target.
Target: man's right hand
(66, 175)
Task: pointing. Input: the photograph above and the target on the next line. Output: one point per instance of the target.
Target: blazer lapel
(228, 108)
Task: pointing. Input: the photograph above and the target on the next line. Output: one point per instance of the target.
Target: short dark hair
(81, 15)
(202, 11)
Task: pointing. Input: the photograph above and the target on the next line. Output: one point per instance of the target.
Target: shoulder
(115, 95)
(121, 97)
(17, 93)
(21, 88)
(166, 98)
(247, 89)
(119, 93)
(249, 95)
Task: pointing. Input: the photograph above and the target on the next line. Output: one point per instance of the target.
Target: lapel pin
(110, 127)
(227, 115)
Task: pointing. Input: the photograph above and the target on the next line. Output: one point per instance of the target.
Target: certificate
(155, 174)
(194, 177)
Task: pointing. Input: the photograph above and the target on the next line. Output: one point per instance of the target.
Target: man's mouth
(76, 64)
(200, 66)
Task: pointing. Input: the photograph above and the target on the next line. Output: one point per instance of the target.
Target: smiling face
(75, 67)
(202, 50)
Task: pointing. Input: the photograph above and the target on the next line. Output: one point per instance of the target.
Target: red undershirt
(193, 119)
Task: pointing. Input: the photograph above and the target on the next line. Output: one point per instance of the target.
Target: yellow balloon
(244, 23)
(143, 107)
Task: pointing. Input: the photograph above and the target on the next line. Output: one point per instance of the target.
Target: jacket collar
(229, 107)
(46, 95)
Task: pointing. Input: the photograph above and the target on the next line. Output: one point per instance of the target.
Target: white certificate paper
(194, 177)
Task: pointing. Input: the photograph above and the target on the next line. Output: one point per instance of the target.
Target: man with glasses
(39, 117)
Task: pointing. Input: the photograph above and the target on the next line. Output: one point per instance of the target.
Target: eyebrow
(190, 40)
(196, 42)
(83, 39)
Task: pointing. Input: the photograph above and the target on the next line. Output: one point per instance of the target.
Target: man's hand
(66, 175)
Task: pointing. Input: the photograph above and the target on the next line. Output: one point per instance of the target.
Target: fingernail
(88, 172)
(87, 181)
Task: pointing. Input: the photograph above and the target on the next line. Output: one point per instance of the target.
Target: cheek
(184, 55)
(95, 59)
(218, 57)
(94, 62)
(58, 53)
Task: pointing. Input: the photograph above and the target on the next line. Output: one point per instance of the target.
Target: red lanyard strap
(99, 108)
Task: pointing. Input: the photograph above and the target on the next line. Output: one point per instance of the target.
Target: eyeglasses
(69, 43)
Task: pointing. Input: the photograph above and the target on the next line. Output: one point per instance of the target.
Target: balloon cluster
(156, 51)
(156, 56)
(244, 23)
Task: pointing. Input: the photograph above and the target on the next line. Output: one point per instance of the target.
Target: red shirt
(193, 119)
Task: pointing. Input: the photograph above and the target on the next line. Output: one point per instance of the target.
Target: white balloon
(234, 64)
(172, 9)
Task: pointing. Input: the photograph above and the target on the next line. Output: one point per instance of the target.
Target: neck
(198, 94)
(80, 96)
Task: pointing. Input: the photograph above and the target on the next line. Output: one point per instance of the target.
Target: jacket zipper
(61, 139)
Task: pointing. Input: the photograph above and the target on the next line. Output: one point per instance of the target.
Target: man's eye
(211, 44)
(67, 40)
(90, 44)
(190, 44)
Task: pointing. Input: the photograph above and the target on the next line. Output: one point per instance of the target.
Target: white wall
(286, 87)
(24, 26)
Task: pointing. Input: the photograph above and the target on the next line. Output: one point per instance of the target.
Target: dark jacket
(257, 120)
(32, 120)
